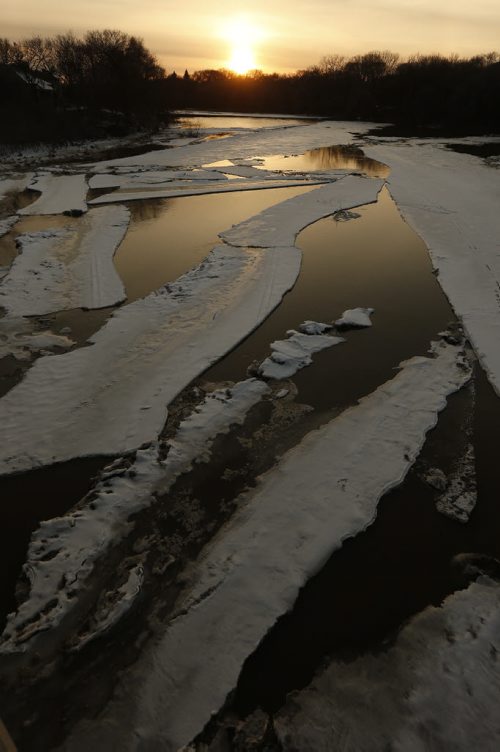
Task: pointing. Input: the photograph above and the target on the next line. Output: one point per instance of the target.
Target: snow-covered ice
(290, 355)
(67, 268)
(112, 397)
(355, 318)
(436, 688)
(282, 533)
(195, 188)
(64, 550)
(60, 194)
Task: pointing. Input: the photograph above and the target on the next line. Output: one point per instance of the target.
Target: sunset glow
(243, 37)
(282, 36)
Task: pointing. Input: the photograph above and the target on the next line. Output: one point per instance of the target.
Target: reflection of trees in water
(141, 211)
(345, 158)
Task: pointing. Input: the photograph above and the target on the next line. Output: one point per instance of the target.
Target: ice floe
(282, 533)
(112, 397)
(145, 178)
(291, 354)
(280, 224)
(67, 268)
(355, 318)
(64, 550)
(194, 188)
(61, 194)
(436, 688)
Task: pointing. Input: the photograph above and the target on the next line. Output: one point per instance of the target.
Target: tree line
(68, 87)
(424, 92)
(109, 83)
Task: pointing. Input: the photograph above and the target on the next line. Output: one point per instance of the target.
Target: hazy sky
(283, 35)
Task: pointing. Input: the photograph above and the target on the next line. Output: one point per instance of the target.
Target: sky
(273, 35)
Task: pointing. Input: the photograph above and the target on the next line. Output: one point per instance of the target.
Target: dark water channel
(375, 261)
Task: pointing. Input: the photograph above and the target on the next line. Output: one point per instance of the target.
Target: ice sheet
(281, 535)
(60, 194)
(195, 189)
(142, 178)
(67, 268)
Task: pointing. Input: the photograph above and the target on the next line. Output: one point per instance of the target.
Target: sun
(242, 36)
(242, 59)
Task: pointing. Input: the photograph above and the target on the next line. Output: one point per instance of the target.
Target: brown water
(327, 158)
(167, 237)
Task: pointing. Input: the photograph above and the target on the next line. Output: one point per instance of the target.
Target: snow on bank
(60, 194)
(111, 398)
(436, 688)
(282, 534)
(452, 201)
(290, 355)
(68, 268)
(280, 224)
(355, 318)
(63, 551)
